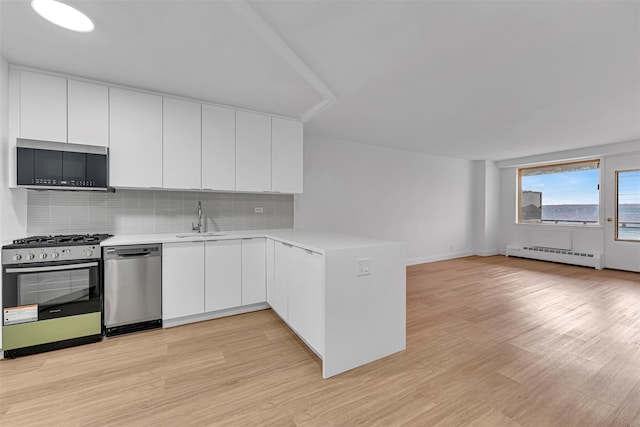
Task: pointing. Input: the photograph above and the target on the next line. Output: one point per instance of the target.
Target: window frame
(559, 164)
(616, 212)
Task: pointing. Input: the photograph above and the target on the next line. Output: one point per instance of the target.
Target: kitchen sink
(182, 235)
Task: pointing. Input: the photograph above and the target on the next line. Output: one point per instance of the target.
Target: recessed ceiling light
(63, 15)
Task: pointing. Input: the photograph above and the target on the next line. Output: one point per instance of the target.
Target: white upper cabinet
(161, 142)
(286, 155)
(88, 113)
(43, 107)
(254, 286)
(218, 148)
(223, 278)
(253, 152)
(135, 127)
(181, 135)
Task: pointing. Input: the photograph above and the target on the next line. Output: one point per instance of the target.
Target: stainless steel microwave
(59, 166)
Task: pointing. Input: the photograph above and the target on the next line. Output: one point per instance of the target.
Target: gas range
(51, 293)
(53, 248)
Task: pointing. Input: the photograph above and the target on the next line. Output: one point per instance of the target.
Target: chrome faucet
(198, 226)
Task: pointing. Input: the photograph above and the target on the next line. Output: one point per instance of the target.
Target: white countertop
(317, 241)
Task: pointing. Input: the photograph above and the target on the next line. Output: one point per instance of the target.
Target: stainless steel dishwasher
(132, 288)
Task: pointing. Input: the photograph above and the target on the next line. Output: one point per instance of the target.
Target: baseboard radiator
(563, 256)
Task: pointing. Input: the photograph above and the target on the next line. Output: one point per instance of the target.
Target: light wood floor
(490, 342)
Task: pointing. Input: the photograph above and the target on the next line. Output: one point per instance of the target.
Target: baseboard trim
(488, 253)
(169, 323)
(441, 257)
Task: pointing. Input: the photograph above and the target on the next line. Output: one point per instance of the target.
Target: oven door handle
(51, 268)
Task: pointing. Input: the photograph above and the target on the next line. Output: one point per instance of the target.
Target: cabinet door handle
(309, 252)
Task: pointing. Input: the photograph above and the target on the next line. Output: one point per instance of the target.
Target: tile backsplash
(148, 211)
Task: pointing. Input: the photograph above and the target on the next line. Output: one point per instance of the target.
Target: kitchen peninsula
(344, 296)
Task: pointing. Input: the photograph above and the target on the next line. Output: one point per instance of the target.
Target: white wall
(423, 200)
(4, 122)
(13, 203)
(584, 239)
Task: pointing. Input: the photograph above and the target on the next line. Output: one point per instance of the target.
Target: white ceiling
(475, 80)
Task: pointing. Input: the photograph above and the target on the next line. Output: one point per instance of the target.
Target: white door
(43, 107)
(218, 148)
(88, 113)
(135, 132)
(306, 296)
(181, 125)
(254, 285)
(223, 279)
(280, 298)
(270, 268)
(253, 152)
(622, 210)
(182, 279)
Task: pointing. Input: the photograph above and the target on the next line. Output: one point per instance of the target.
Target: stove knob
(43, 256)
(30, 256)
(89, 252)
(55, 255)
(17, 257)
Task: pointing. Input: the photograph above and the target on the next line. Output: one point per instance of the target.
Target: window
(566, 193)
(628, 205)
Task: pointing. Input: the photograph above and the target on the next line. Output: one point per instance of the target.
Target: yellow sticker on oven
(22, 314)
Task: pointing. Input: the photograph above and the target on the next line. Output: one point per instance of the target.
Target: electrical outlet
(364, 267)
(258, 210)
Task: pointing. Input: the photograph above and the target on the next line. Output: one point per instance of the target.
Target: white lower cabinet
(280, 295)
(223, 274)
(204, 277)
(271, 248)
(306, 302)
(253, 271)
(182, 279)
(297, 292)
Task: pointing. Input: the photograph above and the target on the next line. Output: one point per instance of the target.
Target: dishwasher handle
(123, 252)
(133, 254)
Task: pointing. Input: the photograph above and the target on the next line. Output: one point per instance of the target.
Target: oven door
(52, 290)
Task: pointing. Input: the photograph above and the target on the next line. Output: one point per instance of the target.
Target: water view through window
(628, 209)
(560, 194)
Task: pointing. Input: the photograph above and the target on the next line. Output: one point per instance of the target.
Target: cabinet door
(253, 271)
(182, 279)
(88, 113)
(135, 127)
(43, 107)
(218, 148)
(223, 278)
(286, 152)
(181, 124)
(306, 295)
(271, 248)
(253, 152)
(280, 298)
